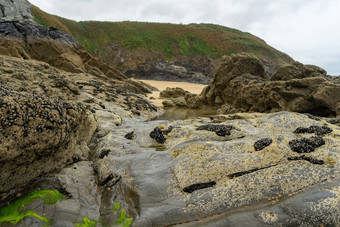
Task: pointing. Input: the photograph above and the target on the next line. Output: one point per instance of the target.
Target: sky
(307, 30)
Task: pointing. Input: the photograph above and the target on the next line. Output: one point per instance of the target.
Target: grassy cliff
(168, 39)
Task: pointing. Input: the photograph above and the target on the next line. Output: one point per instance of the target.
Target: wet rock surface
(199, 178)
(78, 181)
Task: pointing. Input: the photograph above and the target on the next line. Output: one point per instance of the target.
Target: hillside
(134, 47)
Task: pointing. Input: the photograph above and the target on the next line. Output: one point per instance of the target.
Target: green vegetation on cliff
(168, 39)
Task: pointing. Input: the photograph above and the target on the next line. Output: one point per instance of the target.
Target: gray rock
(317, 204)
(79, 181)
(19, 10)
(227, 174)
(30, 31)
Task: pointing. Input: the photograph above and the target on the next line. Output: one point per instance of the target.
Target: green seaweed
(87, 223)
(13, 213)
(122, 220)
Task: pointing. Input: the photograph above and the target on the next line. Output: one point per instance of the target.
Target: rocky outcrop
(241, 85)
(297, 70)
(173, 71)
(29, 32)
(174, 97)
(230, 169)
(32, 41)
(124, 98)
(172, 93)
(38, 135)
(269, 169)
(48, 117)
(19, 10)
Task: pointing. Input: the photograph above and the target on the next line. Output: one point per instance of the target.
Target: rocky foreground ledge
(260, 169)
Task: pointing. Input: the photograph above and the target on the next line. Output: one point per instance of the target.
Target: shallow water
(175, 113)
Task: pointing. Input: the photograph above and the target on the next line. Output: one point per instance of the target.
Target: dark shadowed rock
(195, 187)
(158, 134)
(220, 130)
(130, 135)
(314, 129)
(306, 145)
(308, 159)
(262, 143)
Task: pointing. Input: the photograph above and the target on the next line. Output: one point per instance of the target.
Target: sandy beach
(162, 85)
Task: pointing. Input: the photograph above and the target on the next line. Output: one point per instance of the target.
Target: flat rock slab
(200, 178)
(196, 174)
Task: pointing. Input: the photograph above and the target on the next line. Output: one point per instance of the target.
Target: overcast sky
(307, 30)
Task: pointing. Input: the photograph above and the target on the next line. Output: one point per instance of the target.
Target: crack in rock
(308, 159)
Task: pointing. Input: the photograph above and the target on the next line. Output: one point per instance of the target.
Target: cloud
(308, 30)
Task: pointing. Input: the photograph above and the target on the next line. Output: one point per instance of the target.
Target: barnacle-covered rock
(38, 135)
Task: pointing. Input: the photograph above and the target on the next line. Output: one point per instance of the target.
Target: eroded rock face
(38, 135)
(47, 118)
(297, 70)
(31, 41)
(240, 85)
(19, 10)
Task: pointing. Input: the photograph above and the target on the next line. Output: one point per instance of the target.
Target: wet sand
(162, 85)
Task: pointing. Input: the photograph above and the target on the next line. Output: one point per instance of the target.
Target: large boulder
(15, 10)
(240, 85)
(297, 70)
(172, 93)
(38, 135)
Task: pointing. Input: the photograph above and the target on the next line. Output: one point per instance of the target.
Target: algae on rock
(13, 213)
